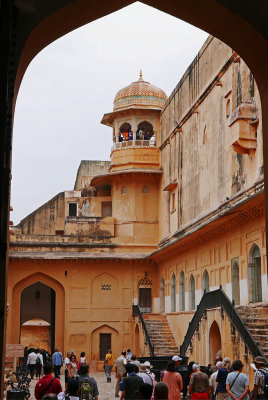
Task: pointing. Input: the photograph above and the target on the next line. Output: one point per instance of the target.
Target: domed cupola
(140, 94)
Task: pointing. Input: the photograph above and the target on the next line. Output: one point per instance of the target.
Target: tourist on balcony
(120, 137)
(260, 390)
(237, 384)
(173, 380)
(221, 379)
(146, 135)
(152, 141)
(130, 135)
(125, 134)
(140, 134)
(199, 385)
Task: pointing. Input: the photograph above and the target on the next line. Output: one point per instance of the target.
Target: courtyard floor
(106, 389)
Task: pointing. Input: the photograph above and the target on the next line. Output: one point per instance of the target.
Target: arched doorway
(182, 291)
(205, 282)
(14, 323)
(192, 293)
(173, 293)
(214, 341)
(162, 295)
(254, 274)
(37, 316)
(137, 340)
(235, 281)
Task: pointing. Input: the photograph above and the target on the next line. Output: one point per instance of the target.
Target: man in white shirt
(145, 373)
(31, 363)
(212, 380)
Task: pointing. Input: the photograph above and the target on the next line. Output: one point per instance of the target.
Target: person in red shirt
(47, 384)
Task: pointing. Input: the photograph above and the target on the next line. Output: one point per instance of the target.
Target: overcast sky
(72, 83)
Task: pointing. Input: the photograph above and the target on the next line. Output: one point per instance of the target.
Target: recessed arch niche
(105, 291)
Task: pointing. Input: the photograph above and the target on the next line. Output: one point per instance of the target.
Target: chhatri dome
(140, 94)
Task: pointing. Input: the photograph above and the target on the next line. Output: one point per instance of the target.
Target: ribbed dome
(140, 93)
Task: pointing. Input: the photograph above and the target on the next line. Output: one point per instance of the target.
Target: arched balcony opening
(173, 293)
(182, 291)
(192, 293)
(254, 274)
(162, 295)
(205, 282)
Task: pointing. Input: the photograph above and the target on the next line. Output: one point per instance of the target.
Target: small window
(106, 209)
(145, 189)
(72, 209)
(228, 108)
(173, 201)
(123, 190)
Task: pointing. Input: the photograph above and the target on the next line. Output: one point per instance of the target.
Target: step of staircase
(255, 317)
(161, 337)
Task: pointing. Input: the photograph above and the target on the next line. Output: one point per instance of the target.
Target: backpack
(265, 387)
(86, 389)
(38, 361)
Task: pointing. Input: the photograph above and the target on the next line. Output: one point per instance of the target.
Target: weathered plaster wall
(198, 154)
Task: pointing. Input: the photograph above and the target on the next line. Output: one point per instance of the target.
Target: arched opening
(145, 131)
(254, 274)
(14, 324)
(137, 340)
(162, 295)
(182, 291)
(214, 341)
(173, 293)
(205, 282)
(37, 316)
(103, 339)
(125, 132)
(192, 293)
(235, 280)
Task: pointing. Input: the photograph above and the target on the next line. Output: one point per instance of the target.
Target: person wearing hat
(145, 373)
(177, 360)
(260, 379)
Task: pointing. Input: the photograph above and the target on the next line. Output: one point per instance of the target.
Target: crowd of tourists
(141, 134)
(224, 380)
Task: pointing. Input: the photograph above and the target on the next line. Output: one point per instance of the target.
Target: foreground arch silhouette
(30, 26)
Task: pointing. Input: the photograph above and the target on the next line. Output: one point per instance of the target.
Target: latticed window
(145, 189)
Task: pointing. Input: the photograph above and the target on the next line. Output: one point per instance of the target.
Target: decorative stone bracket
(243, 125)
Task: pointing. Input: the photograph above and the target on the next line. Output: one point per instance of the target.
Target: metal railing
(136, 312)
(218, 298)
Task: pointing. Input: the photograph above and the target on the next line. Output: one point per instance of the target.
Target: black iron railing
(218, 298)
(136, 312)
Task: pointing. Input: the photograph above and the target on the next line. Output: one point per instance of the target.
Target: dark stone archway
(27, 26)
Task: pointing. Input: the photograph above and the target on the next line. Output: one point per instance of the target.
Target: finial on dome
(141, 79)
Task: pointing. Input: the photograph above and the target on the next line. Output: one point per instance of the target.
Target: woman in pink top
(173, 380)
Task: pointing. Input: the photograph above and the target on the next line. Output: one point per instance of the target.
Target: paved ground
(106, 389)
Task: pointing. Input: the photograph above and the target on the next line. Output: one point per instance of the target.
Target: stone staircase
(161, 336)
(255, 317)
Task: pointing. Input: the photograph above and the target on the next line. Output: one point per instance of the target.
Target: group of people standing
(141, 134)
(78, 383)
